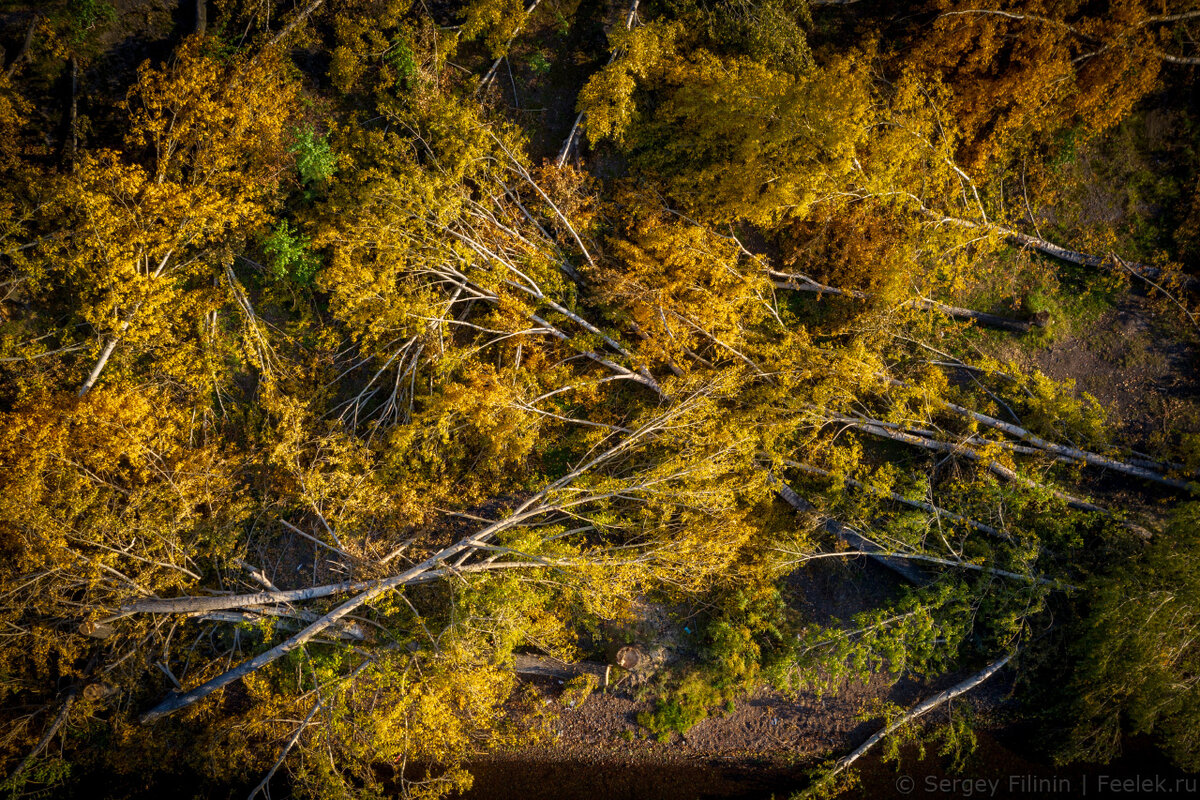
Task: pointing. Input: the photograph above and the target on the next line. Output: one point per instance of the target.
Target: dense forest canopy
(345, 357)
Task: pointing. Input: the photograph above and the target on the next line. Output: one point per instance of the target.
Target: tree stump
(629, 658)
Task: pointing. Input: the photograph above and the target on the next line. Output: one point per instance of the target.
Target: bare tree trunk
(344, 631)
(94, 375)
(491, 73)
(1191, 61)
(553, 668)
(178, 701)
(46, 737)
(1039, 320)
(23, 53)
(852, 538)
(1062, 452)
(1052, 249)
(201, 17)
(194, 605)
(565, 153)
(921, 710)
(899, 562)
(972, 454)
(877, 429)
(535, 506)
(71, 140)
(296, 20)
(932, 509)
(803, 283)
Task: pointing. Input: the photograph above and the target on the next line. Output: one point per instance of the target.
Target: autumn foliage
(327, 390)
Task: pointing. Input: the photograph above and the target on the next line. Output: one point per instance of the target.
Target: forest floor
(1129, 357)
(762, 744)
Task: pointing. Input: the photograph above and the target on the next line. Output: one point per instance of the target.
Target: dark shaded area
(539, 82)
(1001, 767)
(548, 780)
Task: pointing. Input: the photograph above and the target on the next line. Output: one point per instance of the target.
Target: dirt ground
(1136, 367)
(765, 745)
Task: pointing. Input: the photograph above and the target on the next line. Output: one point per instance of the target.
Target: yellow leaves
(133, 234)
(109, 436)
(102, 500)
(13, 111)
(433, 715)
(201, 121)
(607, 97)
(206, 144)
(1054, 407)
(682, 286)
(472, 437)
(495, 21)
(328, 482)
(731, 139)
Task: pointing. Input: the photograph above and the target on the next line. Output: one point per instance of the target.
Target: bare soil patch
(1136, 367)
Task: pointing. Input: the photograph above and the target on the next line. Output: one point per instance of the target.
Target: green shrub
(288, 256)
(86, 15)
(578, 689)
(403, 62)
(315, 159)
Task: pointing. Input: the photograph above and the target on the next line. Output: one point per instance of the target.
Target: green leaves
(88, 17)
(1135, 656)
(315, 159)
(288, 255)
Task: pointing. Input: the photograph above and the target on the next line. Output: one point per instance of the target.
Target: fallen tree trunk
(345, 632)
(491, 73)
(187, 605)
(853, 538)
(203, 604)
(932, 509)
(178, 701)
(1039, 320)
(443, 561)
(63, 711)
(901, 562)
(293, 23)
(921, 710)
(545, 667)
(992, 466)
(1054, 250)
(1068, 454)
(803, 283)
(960, 449)
(565, 153)
(951, 562)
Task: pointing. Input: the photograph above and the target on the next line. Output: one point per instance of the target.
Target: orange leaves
(681, 286)
(1025, 69)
